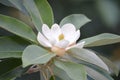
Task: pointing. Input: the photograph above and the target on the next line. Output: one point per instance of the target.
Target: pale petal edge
(43, 41)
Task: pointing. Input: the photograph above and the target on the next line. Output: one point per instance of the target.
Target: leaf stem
(44, 75)
(51, 72)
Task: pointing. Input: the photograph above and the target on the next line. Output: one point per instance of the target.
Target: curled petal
(43, 41)
(78, 45)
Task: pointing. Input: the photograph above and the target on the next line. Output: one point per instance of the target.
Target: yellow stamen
(61, 37)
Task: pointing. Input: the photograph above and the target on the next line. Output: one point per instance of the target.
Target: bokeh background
(105, 16)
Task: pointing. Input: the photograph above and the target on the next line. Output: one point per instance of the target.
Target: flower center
(61, 37)
(58, 51)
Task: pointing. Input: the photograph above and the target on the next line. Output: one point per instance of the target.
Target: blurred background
(105, 16)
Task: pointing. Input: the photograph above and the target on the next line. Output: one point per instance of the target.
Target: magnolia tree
(53, 49)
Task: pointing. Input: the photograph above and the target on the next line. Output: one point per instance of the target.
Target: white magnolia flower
(59, 39)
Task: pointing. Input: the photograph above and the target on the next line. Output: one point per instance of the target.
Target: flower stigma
(61, 37)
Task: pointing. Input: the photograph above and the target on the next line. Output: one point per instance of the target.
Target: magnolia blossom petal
(56, 31)
(74, 37)
(43, 41)
(47, 33)
(78, 45)
(77, 35)
(68, 27)
(62, 44)
(68, 30)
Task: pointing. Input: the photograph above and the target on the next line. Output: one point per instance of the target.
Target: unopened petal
(62, 44)
(78, 45)
(43, 41)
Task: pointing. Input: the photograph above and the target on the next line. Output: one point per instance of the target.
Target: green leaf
(52, 78)
(88, 56)
(12, 47)
(113, 68)
(19, 5)
(45, 11)
(93, 70)
(40, 12)
(96, 75)
(6, 3)
(76, 19)
(74, 71)
(34, 13)
(96, 72)
(17, 27)
(60, 73)
(101, 39)
(10, 69)
(34, 54)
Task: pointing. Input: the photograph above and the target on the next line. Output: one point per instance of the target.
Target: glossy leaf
(76, 19)
(34, 54)
(7, 3)
(101, 39)
(45, 11)
(88, 56)
(19, 5)
(12, 47)
(74, 71)
(40, 12)
(96, 72)
(34, 13)
(96, 75)
(17, 27)
(60, 73)
(93, 69)
(113, 68)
